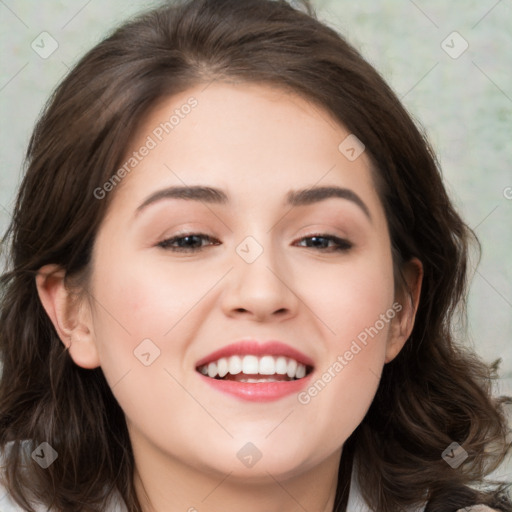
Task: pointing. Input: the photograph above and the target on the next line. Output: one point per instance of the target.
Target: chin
(254, 461)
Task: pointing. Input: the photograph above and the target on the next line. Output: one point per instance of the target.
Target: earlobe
(70, 317)
(408, 298)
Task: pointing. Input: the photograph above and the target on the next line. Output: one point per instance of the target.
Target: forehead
(254, 139)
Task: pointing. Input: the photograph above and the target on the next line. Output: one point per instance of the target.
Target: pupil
(318, 241)
(191, 237)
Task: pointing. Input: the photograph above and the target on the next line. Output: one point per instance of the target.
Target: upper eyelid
(206, 235)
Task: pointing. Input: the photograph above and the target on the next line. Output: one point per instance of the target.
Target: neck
(164, 484)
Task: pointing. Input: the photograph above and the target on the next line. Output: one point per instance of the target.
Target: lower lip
(258, 391)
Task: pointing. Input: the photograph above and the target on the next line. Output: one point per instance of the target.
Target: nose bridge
(258, 283)
(258, 262)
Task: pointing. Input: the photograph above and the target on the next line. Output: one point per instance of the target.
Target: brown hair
(434, 392)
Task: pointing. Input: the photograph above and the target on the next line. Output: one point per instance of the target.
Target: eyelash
(342, 245)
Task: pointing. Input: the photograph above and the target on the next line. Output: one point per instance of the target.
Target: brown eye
(326, 243)
(188, 242)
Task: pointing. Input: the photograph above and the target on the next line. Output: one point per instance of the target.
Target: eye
(187, 242)
(322, 241)
(193, 242)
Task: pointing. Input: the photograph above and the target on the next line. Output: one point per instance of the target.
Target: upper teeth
(253, 365)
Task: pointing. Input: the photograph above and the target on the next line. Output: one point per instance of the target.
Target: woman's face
(292, 247)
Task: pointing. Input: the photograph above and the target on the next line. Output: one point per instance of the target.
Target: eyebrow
(213, 195)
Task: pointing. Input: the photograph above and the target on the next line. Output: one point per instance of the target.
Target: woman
(235, 268)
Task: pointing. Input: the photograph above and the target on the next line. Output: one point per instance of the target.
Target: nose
(261, 290)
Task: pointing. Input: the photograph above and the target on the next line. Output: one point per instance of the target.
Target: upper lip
(257, 348)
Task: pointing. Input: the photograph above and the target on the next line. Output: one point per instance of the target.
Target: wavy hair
(433, 393)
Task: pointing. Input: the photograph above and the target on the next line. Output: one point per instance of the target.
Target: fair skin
(256, 144)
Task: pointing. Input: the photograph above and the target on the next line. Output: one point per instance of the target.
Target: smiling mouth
(255, 369)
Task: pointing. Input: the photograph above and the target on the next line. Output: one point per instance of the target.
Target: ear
(408, 298)
(70, 316)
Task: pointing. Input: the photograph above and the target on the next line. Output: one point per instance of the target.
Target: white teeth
(281, 365)
(254, 365)
(250, 365)
(222, 367)
(235, 365)
(292, 368)
(267, 366)
(212, 370)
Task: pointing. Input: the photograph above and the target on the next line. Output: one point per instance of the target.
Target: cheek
(145, 297)
(351, 296)
(356, 307)
(141, 331)
(146, 308)
(131, 306)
